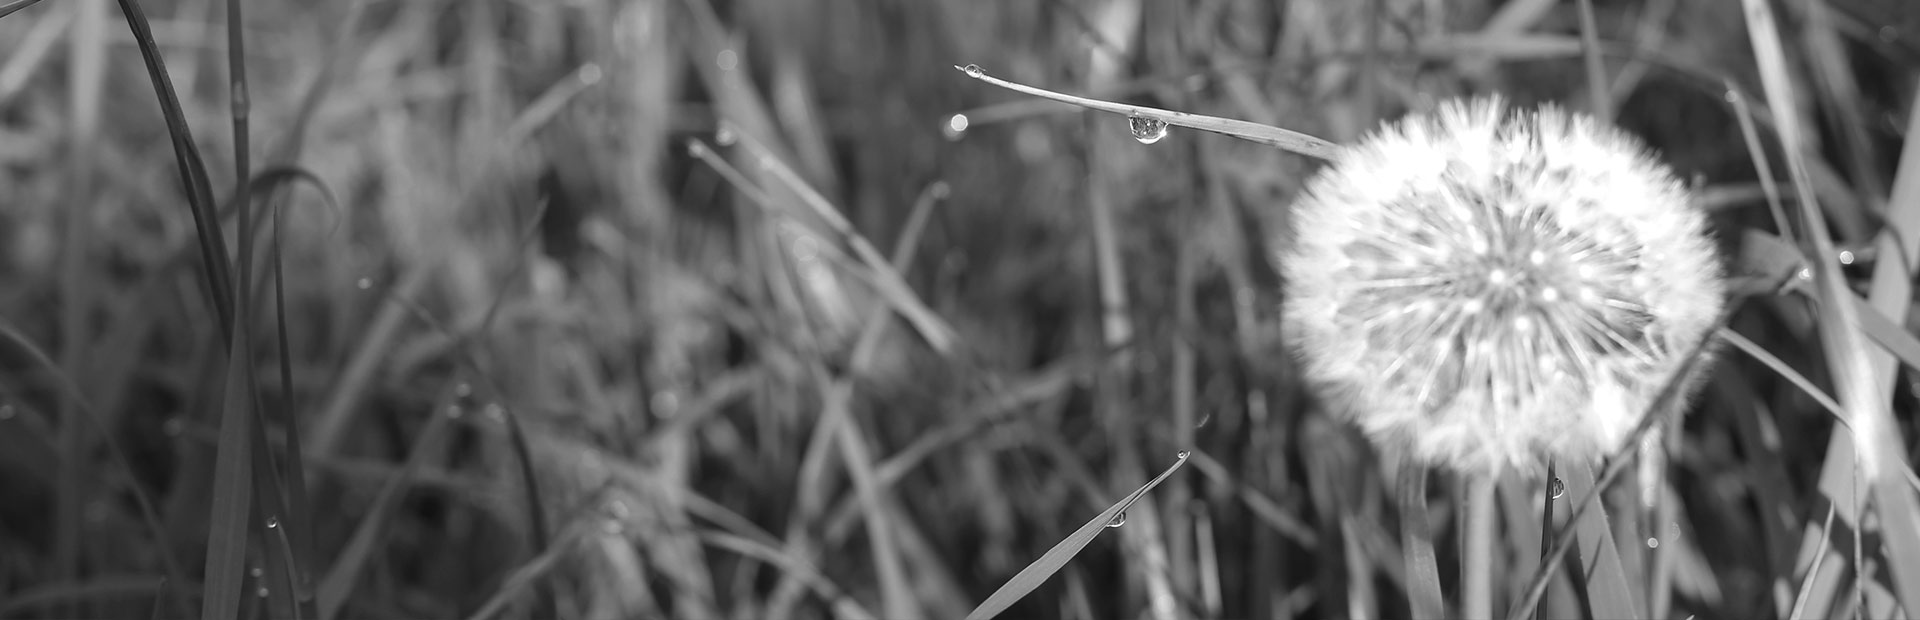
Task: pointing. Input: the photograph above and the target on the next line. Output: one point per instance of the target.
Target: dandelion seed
(1489, 290)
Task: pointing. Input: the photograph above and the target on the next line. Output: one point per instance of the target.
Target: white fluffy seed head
(1428, 277)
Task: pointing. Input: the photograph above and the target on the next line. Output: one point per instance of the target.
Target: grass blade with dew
(1878, 451)
(1254, 132)
(1423, 570)
(1050, 562)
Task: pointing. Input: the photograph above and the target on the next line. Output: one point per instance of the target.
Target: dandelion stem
(1476, 591)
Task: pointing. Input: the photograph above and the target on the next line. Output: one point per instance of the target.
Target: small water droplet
(174, 426)
(725, 136)
(1183, 454)
(1804, 274)
(364, 283)
(1118, 520)
(1147, 130)
(589, 74)
(1846, 257)
(262, 592)
(273, 522)
(463, 390)
(956, 127)
(727, 60)
(6, 412)
(1556, 488)
(972, 71)
(1653, 543)
(256, 572)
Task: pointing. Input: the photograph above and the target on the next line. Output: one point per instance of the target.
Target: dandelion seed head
(1488, 290)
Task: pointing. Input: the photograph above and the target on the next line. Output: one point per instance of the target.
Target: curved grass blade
(9, 8)
(1050, 562)
(1253, 132)
(140, 498)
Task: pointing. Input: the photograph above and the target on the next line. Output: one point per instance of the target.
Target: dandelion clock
(1487, 290)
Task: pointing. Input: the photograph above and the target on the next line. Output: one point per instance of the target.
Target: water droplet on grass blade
(725, 136)
(1653, 543)
(1118, 520)
(972, 71)
(1147, 130)
(956, 127)
(727, 60)
(1183, 454)
(1556, 488)
(273, 522)
(364, 283)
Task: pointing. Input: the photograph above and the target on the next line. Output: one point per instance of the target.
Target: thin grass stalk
(1476, 590)
(1554, 489)
(88, 66)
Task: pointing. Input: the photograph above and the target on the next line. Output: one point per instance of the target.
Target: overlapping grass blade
(1856, 369)
(1609, 594)
(1416, 543)
(1050, 562)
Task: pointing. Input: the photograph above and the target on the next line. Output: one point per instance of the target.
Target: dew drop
(589, 74)
(725, 136)
(1204, 418)
(454, 412)
(1846, 257)
(173, 427)
(1556, 488)
(273, 522)
(262, 592)
(256, 572)
(727, 60)
(1805, 274)
(1147, 130)
(364, 283)
(1653, 543)
(972, 71)
(1183, 454)
(1118, 520)
(956, 127)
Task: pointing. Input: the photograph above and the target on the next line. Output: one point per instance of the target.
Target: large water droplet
(1183, 454)
(956, 127)
(1118, 520)
(972, 71)
(1147, 130)
(273, 522)
(1556, 488)
(1653, 543)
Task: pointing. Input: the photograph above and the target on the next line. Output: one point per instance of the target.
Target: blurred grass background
(724, 415)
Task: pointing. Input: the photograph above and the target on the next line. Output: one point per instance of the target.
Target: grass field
(761, 309)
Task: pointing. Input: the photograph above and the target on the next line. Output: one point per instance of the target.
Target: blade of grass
(1599, 94)
(1879, 454)
(1476, 582)
(1416, 542)
(1050, 562)
(1254, 132)
(10, 7)
(176, 575)
(891, 284)
(1609, 594)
